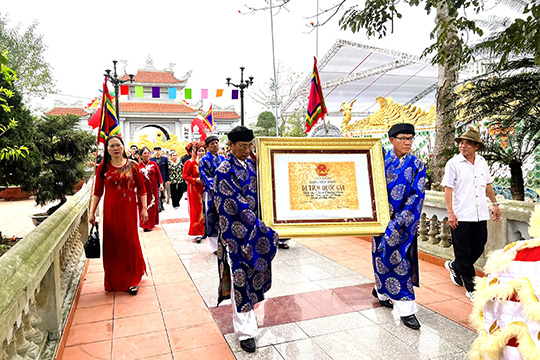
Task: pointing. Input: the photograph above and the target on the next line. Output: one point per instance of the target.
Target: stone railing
(434, 236)
(38, 280)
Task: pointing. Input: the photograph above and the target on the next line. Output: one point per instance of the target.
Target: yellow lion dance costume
(506, 311)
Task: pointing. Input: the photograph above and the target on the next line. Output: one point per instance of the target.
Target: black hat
(210, 138)
(402, 128)
(240, 133)
(157, 147)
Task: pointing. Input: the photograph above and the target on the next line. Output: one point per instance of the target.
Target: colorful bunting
(139, 91)
(187, 94)
(124, 90)
(219, 92)
(109, 123)
(155, 92)
(235, 94)
(204, 93)
(316, 108)
(172, 93)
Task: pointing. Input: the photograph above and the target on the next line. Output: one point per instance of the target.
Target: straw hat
(471, 135)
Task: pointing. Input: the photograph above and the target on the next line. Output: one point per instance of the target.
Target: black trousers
(469, 239)
(177, 190)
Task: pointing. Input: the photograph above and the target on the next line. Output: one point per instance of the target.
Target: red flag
(124, 90)
(95, 119)
(316, 108)
(199, 122)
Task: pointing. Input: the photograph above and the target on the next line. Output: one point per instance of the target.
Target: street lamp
(243, 85)
(116, 82)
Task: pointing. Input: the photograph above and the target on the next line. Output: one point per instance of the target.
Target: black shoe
(411, 322)
(215, 252)
(147, 230)
(248, 345)
(385, 303)
(456, 279)
(133, 290)
(282, 246)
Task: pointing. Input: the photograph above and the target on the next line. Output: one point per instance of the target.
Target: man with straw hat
(467, 185)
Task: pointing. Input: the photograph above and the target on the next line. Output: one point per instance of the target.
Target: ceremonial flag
(93, 104)
(109, 124)
(316, 108)
(209, 119)
(219, 92)
(124, 90)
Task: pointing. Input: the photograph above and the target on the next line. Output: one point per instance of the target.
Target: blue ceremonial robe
(394, 253)
(250, 244)
(207, 169)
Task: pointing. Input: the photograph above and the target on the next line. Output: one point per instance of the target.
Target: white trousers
(212, 241)
(245, 323)
(403, 308)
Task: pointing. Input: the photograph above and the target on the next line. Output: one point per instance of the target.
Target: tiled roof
(67, 110)
(226, 115)
(154, 77)
(138, 107)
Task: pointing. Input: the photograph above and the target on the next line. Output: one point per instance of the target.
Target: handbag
(92, 247)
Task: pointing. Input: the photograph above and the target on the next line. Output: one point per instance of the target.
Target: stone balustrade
(434, 236)
(38, 280)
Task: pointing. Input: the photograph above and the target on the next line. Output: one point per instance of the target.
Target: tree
(507, 102)
(25, 50)
(266, 124)
(64, 151)
(295, 123)
(287, 82)
(20, 162)
(450, 52)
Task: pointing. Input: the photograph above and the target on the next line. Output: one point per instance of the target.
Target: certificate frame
(277, 158)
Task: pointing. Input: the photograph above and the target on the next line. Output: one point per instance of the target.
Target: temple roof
(148, 107)
(154, 77)
(67, 110)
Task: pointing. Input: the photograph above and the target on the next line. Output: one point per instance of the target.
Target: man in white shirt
(467, 185)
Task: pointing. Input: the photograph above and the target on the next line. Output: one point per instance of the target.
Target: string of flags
(172, 93)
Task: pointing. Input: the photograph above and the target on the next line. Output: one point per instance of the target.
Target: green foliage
(508, 104)
(20, 162)
(8, 75)
(266, 124)
(295, 124)
(26, 50)
(64, 150)
(520, 37)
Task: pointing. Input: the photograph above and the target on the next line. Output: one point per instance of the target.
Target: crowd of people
(222, 205)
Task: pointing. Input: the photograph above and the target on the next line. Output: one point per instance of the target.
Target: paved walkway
(320, 307)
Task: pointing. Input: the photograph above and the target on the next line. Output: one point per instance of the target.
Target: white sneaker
(470, 295)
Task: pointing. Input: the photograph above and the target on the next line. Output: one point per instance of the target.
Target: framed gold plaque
(322, 186)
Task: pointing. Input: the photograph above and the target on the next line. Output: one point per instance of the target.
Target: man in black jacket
(163, 164)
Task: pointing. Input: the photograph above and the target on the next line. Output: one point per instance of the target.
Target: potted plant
(64, 152)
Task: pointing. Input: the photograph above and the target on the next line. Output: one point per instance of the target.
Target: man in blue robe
(395, 257)
(207, 169)
(246, 245)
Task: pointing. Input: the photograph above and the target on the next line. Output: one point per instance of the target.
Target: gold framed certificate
(322, 186)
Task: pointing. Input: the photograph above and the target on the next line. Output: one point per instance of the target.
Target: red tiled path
(166, 320)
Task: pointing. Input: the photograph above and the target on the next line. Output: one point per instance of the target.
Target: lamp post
(116, 82)
(242, 85)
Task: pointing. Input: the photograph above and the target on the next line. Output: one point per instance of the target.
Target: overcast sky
(213, 38)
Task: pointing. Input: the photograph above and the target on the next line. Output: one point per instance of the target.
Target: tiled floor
(320, 307)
